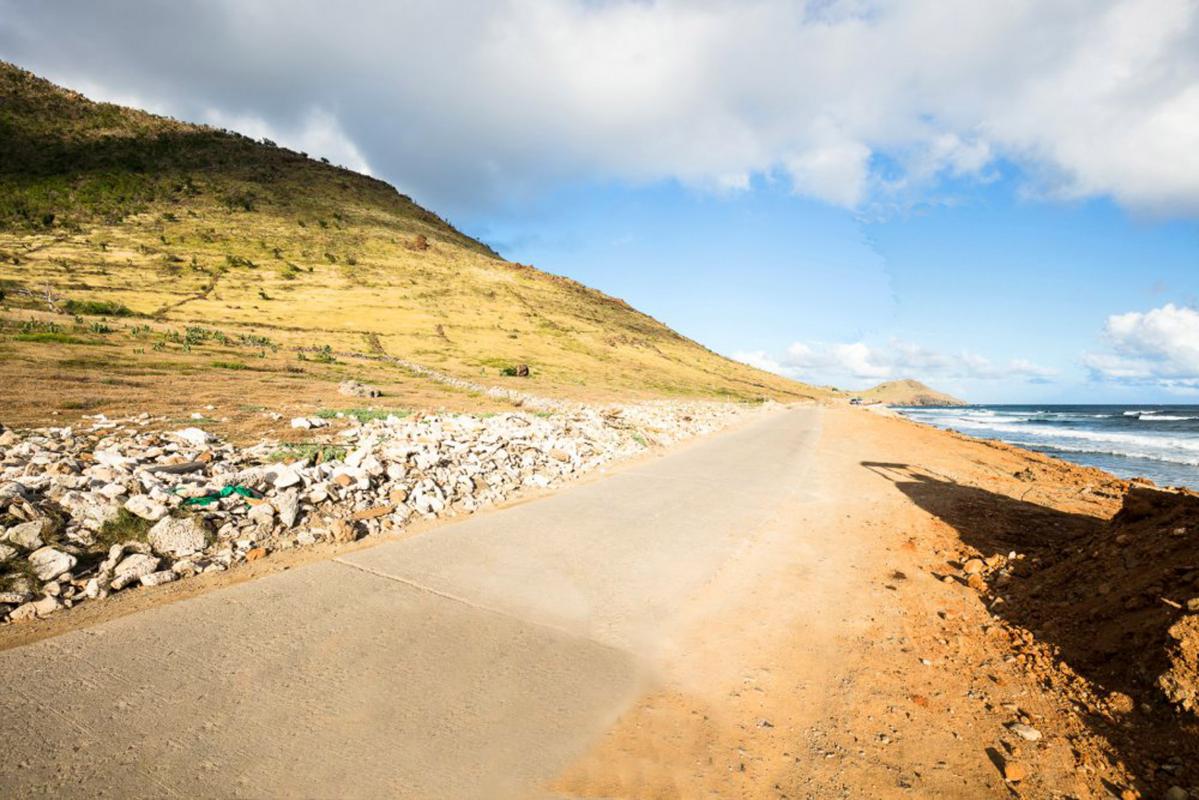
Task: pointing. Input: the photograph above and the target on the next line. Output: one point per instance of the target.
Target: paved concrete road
(473, 661)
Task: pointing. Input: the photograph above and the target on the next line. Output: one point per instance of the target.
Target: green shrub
(240, 201)
(81, 405)
(308, 451)
(124, 527)
(250, 340)
(98, 308)
(363, 414)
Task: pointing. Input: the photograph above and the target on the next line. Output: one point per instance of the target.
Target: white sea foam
(1020, 428)
(1111, 438)
(1190, 462)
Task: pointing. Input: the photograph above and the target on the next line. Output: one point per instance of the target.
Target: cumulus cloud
(760, 359)
(836, 173)
(1160, 346)
(477, 101)
(848, 362)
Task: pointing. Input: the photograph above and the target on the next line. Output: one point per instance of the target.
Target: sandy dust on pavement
(839, 663)
(841, 655)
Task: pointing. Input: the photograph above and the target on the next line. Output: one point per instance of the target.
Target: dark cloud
(477, 103)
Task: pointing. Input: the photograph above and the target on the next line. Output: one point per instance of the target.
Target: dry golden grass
(235, 388)
(255, 241)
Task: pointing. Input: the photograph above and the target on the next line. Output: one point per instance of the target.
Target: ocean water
(1156, 442)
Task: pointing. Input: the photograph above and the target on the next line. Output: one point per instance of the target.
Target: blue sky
(1000, 199)
(991, 274)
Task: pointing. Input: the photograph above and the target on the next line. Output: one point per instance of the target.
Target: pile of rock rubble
(109, 504)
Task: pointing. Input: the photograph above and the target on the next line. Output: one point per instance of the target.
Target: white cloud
(859, 362)
(478, 101)
(1026, 368)
(836, 172)
(760, 359)
(1160, 346)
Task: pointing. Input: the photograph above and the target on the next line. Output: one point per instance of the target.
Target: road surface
(476, 660)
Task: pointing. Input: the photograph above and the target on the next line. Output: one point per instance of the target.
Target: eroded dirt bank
(873, 658)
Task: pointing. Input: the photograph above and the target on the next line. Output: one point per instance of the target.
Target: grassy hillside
(120, 231)
(908, 393)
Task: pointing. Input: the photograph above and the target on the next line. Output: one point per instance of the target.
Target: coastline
(921, 601)
(935, 665)
(1159, 443)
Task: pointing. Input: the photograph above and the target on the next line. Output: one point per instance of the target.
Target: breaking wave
(1161, 443)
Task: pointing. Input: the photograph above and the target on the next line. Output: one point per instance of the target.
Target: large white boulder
(177, 537)
(27, 535)
(48, 563)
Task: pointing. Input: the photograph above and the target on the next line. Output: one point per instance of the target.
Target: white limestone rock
(38, 608)
(141, 505)
(262, 515)
(158, 578)
(288, 505)
(194, 436)
(14, 597)
(136, 565)
(178, 537)
(48, 563)
(27, 535)
(286, 477)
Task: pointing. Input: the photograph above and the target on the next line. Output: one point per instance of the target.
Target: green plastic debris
(227, 491)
